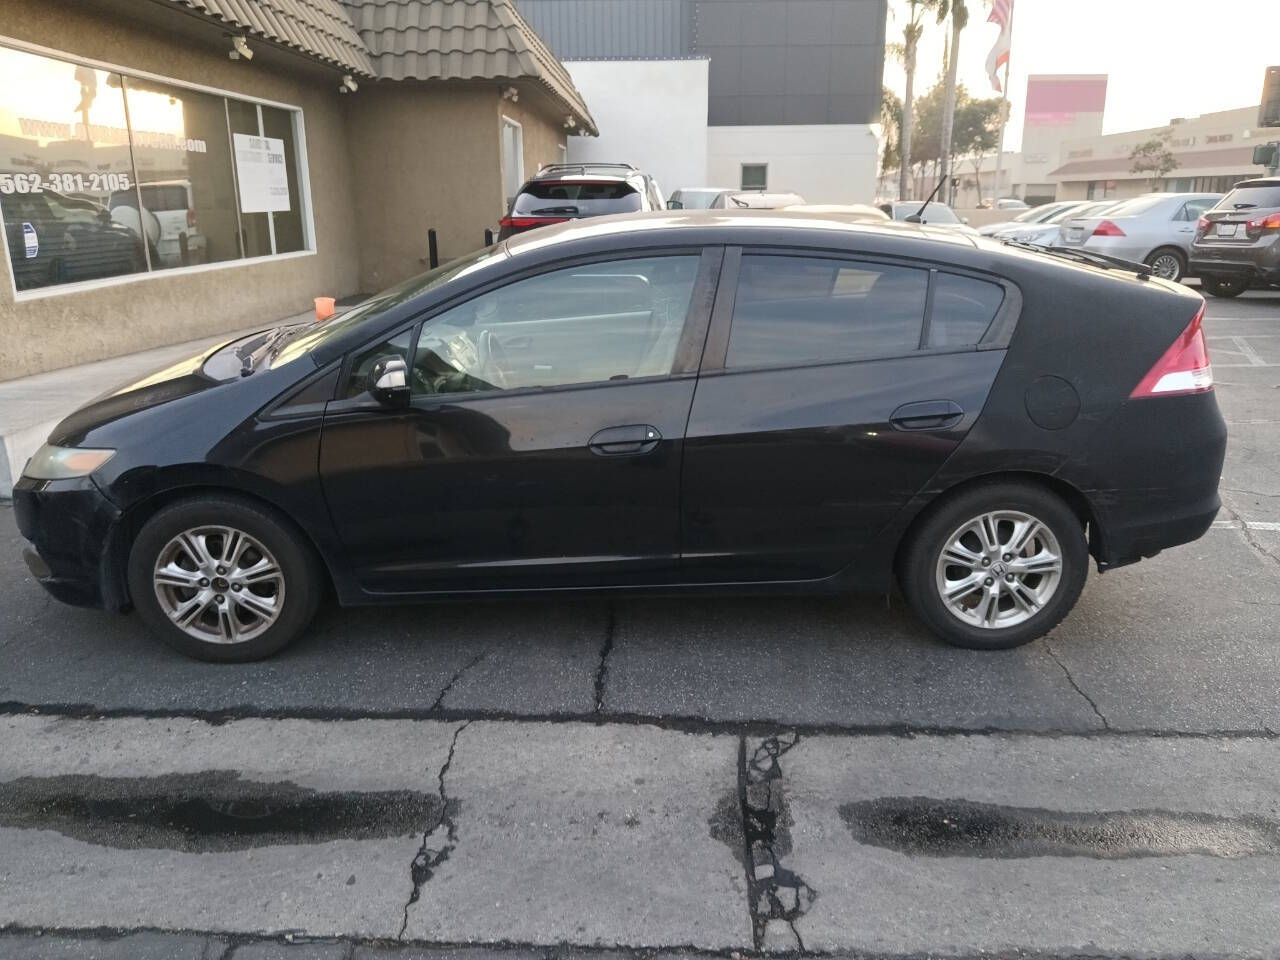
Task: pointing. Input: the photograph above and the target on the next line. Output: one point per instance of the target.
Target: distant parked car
(572, 191)
(857, 210)
(1238, 241)
(1047, 232)
(695, 198)
(180, 242)
(1155, 229)
(936, 214)
(1033, 215)
(754, 200)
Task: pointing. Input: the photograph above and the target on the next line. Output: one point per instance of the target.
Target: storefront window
(104, 175)
(64, 153)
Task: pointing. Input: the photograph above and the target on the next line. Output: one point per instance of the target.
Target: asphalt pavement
(672, 776)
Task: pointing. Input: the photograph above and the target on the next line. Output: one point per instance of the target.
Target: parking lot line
(1264, 525)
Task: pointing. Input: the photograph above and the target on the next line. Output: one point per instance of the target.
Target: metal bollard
(433, 251)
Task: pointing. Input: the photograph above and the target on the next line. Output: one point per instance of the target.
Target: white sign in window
(262, 172)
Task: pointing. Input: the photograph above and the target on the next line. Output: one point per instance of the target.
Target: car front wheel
(996, 566)
(1220, 287)
(1168, 264)
(223, 579)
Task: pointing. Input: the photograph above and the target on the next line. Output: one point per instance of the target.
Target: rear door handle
(633, 439)
(926, 415)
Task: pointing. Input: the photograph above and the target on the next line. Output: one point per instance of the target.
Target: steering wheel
(493, 359)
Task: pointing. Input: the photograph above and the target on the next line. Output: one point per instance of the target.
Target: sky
(1176, 58)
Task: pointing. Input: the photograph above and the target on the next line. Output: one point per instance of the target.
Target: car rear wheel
(1168, 264)
(1222, 287)
(223, 579)
(996, 566)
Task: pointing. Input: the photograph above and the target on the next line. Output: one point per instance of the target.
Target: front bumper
(71, 527)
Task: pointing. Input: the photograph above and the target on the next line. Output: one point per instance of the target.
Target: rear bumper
(1151, 475)
(1234, 270)
(70, 526)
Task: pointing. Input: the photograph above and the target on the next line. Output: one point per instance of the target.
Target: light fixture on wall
(240, 48)
(511, 93)
(570, 123)
(348, 84)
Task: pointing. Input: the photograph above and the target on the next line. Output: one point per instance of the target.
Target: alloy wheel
(218, 584)
(1167, 266)
(998, 569)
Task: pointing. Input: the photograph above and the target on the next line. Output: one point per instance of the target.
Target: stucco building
(172, 169)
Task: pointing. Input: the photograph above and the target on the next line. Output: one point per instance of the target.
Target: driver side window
(618, 320)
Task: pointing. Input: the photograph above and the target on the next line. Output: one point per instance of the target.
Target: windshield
(1252, 197)
(312, 336)
(696, 199)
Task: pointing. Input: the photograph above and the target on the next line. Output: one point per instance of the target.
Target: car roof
(735, 222)
(596, 171)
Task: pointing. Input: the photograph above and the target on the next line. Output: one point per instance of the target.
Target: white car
(180, 242)
(1047, 232)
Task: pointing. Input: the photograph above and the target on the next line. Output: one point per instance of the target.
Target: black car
(57, 239)
(666, 403)
(1237, 242)
(572, 191)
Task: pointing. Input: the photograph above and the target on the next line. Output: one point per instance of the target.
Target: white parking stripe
(1267, 525)
(1250, 354)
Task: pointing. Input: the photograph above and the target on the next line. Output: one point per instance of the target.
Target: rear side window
(1251, 197)
(792, 310)
(576, 198)
(963, 308)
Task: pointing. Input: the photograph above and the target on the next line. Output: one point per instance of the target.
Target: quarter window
(619, 320)
(963, 309)
(792, 310)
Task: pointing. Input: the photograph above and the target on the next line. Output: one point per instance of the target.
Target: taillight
(522, 223)
(1107, 229)
(1262, 225)
(191, 217)
(1184, 368)
(1202, 226)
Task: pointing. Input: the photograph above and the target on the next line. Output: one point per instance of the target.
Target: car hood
(189, 376)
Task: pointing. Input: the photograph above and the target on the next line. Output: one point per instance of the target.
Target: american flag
(1002, 14)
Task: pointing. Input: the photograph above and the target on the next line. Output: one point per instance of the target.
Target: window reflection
(64, 152)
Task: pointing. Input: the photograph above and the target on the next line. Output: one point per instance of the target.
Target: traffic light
(1269, 110)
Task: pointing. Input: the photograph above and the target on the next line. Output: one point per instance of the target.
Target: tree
(927, 143)
(977, 131)
(959, 16)
(1153, 157)
(891, 123)
(911, 33)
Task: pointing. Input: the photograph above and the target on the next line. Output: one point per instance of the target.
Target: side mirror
(389, 381)
(674, 205)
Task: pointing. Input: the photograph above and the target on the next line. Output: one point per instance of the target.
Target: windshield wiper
(542, 210)
(1083, 256)
(270, 345)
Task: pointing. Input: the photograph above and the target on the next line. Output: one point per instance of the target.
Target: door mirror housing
(389, 381)
(674, 205)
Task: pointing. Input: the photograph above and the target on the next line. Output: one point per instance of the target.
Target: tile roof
(461, 40)
(317, 28)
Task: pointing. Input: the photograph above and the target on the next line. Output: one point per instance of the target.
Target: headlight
(63, 463)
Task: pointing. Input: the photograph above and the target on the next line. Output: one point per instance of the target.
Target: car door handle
(926, 415)
(630, 440)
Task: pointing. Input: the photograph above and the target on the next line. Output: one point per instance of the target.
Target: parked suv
(571, 191)
(180, 242)
(1238, 241)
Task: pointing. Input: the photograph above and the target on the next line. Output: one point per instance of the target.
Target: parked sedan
(932, 212)
(1032, 216)
(1238, 241)
(653, 403)
(1048, 231)
(1155, 229)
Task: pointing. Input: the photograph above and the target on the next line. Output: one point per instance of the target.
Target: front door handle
(630, 440)
(926, 415)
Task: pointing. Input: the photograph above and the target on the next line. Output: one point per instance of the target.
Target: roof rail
(553, 167)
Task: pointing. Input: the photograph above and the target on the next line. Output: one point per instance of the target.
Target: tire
(1168, 263)
(1222, 287)
(1008, 623)
(272, 584)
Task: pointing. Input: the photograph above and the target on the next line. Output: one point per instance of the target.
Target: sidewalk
(30, 407)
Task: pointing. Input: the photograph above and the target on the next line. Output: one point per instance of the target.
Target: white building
(783, 95)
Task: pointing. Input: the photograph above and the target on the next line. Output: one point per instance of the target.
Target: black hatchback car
(664, 403)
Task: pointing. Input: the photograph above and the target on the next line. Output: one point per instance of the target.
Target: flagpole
(1004, 119)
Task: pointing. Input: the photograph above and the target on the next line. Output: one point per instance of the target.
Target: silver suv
(1238, 241)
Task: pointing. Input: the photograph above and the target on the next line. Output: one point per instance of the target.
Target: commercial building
(174, 169)
(773, 94)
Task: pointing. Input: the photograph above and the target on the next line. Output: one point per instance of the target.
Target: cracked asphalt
(673, 778)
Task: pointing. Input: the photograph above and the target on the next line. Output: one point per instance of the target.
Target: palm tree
(910, 41)
(959, 14)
